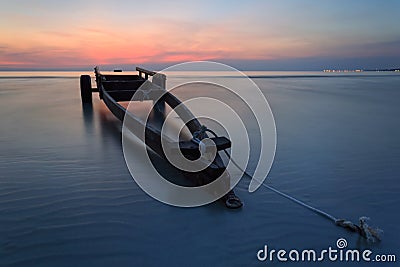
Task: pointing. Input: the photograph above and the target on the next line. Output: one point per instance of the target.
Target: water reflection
(67, 199)
(88, 118)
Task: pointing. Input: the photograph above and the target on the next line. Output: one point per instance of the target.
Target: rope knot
(371, 234)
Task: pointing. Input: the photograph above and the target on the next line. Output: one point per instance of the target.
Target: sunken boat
(117, 87)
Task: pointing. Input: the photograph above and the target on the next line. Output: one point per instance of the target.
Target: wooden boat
(118, 87)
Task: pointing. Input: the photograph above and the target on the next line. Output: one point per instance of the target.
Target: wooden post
(160, 80)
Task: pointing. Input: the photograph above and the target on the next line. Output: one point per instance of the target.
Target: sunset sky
(279, 35)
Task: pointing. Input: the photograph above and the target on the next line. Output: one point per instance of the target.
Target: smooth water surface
(67, 198)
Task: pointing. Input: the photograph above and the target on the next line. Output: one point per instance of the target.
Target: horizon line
(124, 68)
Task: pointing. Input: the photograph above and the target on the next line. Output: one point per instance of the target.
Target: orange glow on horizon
(99, 43)
(46, 34)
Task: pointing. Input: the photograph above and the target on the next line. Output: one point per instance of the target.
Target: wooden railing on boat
(146, 73)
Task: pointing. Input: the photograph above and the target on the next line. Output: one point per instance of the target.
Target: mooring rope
(371, 234)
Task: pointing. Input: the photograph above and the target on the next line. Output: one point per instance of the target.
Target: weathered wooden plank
(148, 72)
(122, 85)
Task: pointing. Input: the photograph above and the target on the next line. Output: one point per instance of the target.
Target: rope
(371, 234)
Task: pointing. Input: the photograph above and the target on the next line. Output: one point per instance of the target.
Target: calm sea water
(67, 198)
